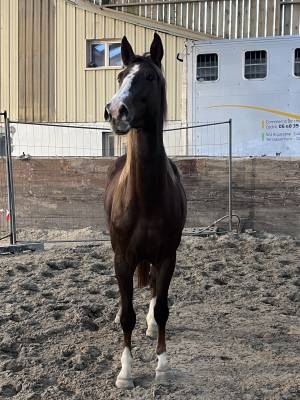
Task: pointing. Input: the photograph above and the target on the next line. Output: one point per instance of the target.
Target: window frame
(218, 68)
(106, 43)
(244, 65)
(294, 63)
(106, 136)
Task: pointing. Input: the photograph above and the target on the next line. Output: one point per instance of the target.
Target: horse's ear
(157, 50)
(126, 51)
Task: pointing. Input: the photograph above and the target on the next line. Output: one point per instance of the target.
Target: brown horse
(144, 200)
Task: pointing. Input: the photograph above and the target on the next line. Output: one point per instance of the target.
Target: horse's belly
(152, 241)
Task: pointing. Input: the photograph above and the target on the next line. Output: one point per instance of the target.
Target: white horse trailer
(256, 82)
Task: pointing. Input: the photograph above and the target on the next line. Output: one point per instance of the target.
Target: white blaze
(123, 92)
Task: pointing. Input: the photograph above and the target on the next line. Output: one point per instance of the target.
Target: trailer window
(297, 63)
(207, 67)
(255, 64)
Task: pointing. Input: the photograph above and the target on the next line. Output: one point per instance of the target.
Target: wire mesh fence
(197, 139)
(60, 174)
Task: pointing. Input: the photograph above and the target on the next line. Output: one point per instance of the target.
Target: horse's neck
(146, 164)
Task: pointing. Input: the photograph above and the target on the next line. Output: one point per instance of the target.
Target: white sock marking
(118, 317)
(162, 365)
(151, 323)
(124, 379)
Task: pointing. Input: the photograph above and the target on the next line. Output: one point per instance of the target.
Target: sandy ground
(233, 331)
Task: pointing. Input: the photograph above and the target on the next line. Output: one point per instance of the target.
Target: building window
(297, 63)
(108, 144)
(255, 64)
(103, 54)
(207, 67)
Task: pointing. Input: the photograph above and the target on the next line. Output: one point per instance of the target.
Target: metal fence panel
(60, 174)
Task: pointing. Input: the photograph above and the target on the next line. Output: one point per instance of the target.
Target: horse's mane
(146, 59)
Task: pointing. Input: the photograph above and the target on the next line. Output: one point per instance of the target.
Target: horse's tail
(143, 270)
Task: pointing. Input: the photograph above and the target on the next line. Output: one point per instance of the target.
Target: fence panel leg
(10, 184)
(230, 177)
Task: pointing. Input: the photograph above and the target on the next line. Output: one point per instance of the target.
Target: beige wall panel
(52, 59)
(22, 61)
(109, 28)
(254, 22)
(61, 61)
(170, 51)
(80, 64)
(37, 61)
(163, 39)
(44, 60)
(90, 25)
(13, 60)
(261, 18)
(4, 24)
(296, 19)
(119, 29)
(29, 60)
(148, 38)
(100, 26)
(110, 84)
(180, 47)
(90, 96)
(100, 95)
(140, 40)
(130, 34)
(71, 62)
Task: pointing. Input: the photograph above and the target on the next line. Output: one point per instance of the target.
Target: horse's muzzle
(118, 118)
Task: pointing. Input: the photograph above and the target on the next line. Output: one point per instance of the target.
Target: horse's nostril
(107, 114)
(123, 112)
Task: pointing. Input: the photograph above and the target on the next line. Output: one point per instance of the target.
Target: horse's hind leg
(161, 313)
(124, 274)
(151, 323)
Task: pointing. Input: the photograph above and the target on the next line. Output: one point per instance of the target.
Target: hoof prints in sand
(233, 331)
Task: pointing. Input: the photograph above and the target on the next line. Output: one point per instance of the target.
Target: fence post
(10, 184)
(230, 177)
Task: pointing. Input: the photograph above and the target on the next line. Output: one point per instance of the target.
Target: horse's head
(140, 99)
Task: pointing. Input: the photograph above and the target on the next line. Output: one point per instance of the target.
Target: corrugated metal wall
(36, 60)
(27, 61)
(9, 72)
(223, 18)
(43, 75)
(82, 93)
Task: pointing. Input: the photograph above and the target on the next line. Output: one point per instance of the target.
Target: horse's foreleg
(151, 323)
(124, 274)
(161, 313)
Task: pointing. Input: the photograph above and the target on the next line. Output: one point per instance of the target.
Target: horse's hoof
(124, 383)
(163, 376)
(152, 331)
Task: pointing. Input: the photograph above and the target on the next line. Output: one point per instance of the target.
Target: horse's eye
(150, 77)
